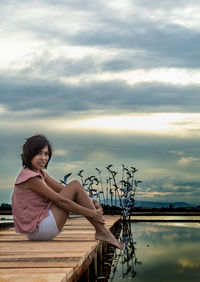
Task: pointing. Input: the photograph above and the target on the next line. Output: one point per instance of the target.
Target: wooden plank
(62, 259)
(30, 256)
(37, 275)
(52, 270)
(54, 247)
(38, 263)
(68, 238)
(33, 278)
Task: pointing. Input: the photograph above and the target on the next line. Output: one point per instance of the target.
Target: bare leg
(75, 192)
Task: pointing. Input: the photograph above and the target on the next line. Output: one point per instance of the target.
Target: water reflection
(168, 251)
(125, 261)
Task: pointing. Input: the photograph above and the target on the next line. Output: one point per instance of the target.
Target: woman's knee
(75, 184)
(69, 191)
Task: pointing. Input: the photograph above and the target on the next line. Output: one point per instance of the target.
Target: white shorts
(47, 229)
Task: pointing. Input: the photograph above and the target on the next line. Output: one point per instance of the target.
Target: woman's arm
(52, 183)
(37, 185)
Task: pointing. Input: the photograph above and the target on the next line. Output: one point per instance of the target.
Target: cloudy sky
(107, 82)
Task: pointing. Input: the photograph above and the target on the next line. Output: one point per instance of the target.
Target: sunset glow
(156, 122)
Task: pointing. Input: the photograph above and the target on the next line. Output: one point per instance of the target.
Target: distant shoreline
(186, 211)
(138, 210)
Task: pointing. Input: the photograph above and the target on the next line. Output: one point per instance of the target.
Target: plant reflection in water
(125, 259)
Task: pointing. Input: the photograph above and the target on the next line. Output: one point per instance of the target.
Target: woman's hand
(97, 205)
(98, 216)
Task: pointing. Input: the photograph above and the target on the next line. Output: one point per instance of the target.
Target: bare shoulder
(26, 185)
(39, 186)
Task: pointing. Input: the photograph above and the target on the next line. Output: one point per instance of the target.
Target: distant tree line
(5, 206)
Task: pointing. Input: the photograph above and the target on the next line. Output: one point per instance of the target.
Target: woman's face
(40, 160)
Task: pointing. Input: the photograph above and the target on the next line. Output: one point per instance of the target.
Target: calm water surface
(4, 218)
(163, 252)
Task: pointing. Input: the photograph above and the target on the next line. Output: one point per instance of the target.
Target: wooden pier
(66, 258)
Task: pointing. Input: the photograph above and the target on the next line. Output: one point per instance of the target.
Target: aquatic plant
(64, 181)
(119, 190)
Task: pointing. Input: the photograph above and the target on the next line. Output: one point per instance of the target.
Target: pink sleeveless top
(28, 207)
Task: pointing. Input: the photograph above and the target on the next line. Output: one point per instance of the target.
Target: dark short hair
(32, 147)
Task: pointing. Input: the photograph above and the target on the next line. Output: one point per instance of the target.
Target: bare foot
(106, 236)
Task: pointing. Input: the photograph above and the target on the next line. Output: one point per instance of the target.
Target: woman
(41, 205)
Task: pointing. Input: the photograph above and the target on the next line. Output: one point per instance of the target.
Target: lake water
(4, 218)
(158, 252)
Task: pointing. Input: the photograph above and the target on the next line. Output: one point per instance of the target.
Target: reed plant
(116, 191)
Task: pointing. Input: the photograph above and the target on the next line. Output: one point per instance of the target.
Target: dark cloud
(187, 185)
(114, 96)
(154, 5)
(171, 46)
(61, 67)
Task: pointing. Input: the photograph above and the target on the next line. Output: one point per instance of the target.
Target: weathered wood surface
(63, 259)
